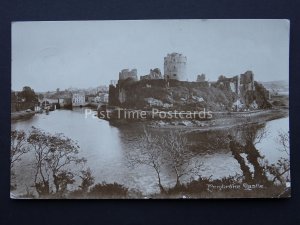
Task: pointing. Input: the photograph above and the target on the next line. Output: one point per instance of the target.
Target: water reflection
(106, 148)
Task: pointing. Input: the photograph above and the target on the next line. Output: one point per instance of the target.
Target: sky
(83, 54)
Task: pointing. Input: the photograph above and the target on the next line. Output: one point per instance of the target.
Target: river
(105, 147)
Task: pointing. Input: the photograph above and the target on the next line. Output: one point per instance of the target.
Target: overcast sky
(50, 55)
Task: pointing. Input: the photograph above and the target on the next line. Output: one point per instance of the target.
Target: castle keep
(175, 66)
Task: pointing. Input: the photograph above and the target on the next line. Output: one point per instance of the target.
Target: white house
(78, 99)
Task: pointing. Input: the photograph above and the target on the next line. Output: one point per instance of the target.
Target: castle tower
(175, 66)
(126, 73)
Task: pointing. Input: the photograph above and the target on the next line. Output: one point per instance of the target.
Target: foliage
(281, 169)
(284, 141)
(87, 179)
(252, 133)
(56, 156)
(249, 136)
(108, 190)
(56, 164)
(179, 156)
(149, 153)
(264, 172)
(171, 150)
(226, 187)
(28, 94)
(18, 146)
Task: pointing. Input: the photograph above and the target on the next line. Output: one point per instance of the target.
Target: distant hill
(277, 87)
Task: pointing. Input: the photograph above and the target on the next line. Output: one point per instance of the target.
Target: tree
(172, 149)
(253, 135)
(87, 179)
(28, 94)
(236, 150)
(250, 136)
(280, 170)
(56, 156)
(40, 97)
(221, 78)
(18, 146)
(284, 141)
(149, 153)
(179, 156)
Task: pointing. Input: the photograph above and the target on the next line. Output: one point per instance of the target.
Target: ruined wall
(261, 96)
(246, 85)
(126, 74)
(248, 92)
(154, 74)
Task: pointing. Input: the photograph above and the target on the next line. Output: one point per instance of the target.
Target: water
(105, 147)
(269, 146)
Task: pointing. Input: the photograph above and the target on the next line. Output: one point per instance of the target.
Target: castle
(172, 88)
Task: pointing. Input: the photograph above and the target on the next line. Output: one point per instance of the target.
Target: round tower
(175, 66)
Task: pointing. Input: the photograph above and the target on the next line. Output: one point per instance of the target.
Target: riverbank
(203, 188)
(220, 120)
(21, 115)
(106, 147)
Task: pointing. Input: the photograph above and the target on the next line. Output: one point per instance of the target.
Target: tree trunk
(253, 155)
(245, 169)
(177, 181)
(177, 177)
(56, 183)
(159, 181)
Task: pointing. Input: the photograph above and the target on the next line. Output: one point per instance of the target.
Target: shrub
(105, 190)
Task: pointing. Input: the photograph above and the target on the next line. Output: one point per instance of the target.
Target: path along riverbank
(220, 120)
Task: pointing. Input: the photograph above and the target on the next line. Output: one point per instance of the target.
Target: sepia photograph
(150, 109)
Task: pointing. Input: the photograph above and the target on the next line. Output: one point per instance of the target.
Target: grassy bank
(203, 188)
(220, 120)
(21, 115)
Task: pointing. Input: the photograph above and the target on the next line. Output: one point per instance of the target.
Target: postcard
(150, 109)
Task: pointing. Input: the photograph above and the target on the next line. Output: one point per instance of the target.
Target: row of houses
(79, 99)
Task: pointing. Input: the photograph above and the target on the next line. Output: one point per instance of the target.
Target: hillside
(182, 95)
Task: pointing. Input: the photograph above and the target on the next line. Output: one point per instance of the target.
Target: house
(78, 99)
